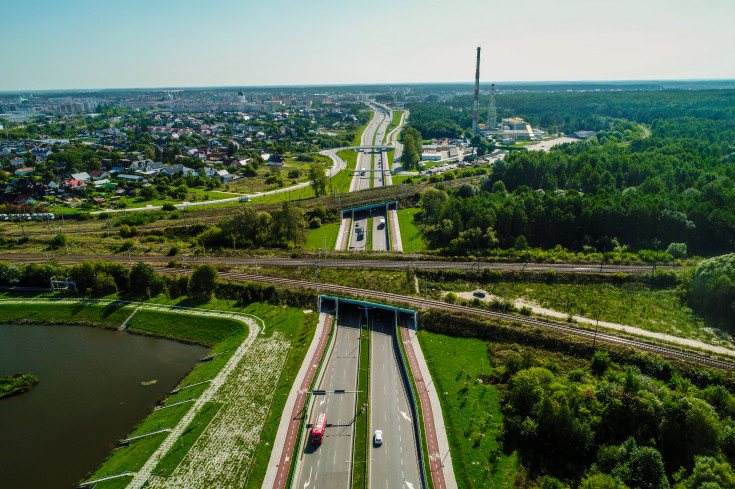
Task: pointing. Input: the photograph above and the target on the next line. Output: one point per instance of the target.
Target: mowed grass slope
(410, 230)
(471, 411)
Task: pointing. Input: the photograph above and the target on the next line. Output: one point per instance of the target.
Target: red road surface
(435, 460)
(296, 413)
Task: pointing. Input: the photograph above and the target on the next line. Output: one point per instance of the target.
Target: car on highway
(362, 173)
(378, 438)
(479, 293)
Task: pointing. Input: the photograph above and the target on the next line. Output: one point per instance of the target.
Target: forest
(620, 188)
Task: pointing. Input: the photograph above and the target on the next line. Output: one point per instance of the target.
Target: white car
(378, 437)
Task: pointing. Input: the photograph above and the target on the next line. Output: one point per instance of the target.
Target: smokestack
(476, 106)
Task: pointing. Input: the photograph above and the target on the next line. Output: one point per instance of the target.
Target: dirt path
(543, 311)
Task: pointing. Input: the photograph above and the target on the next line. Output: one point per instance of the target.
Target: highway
(329, 465)
(394, 463)
(359, 231)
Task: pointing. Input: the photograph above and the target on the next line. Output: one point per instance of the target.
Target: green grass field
(316, 236)
(471, 411)
(220, 333)
(341, 182)
(410, 230)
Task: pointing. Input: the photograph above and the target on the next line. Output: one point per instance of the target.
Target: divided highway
(329, 464)
(394, 463)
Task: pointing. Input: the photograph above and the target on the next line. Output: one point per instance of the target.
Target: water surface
(90, 396)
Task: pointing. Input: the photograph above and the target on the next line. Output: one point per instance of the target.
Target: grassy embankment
(16, 384)
(633, 304)
(300, 336)
(369, 233)
(410, 230)
(296, 327)
(316, 236)
(341, 182)
(471, 411)
(191, 434)
(219, 333)
(362, 436)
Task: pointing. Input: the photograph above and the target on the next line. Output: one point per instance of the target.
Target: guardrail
(414, 407)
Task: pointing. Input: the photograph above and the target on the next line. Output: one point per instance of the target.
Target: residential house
(173, 169)
(83, 176)
(210, 172)
(224, 176)
(23, 171)
(276, 160)
(17, 162)
(24, 199)
(74, 184)
(98, 175)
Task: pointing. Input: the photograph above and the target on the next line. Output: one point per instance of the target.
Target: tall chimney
(476, 105)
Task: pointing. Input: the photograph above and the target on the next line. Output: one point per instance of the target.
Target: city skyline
(87, 45)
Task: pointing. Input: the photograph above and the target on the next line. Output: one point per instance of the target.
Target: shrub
(59, 241)
(600, 362)
(450, 298)
(127, 231)
(168, 207)
(526, 311)
(315, 223)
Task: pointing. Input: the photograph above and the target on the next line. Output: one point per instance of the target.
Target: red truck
(317, 430)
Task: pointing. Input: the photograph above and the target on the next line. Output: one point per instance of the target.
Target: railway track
(398, 262)
(420, 303)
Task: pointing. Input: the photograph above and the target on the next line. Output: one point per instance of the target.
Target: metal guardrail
(414, 408)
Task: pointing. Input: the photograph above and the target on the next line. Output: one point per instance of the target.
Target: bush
(127, 231)
(58, 241)
(600, 362)
(168, 207)
(315, 223)
(451, 298)
(526, 311)
(174, 250)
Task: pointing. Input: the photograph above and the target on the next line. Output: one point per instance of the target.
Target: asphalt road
(329, 465)
(358, 241)
(380, 231)
(394, 464)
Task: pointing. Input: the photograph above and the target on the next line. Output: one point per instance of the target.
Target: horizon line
(386, 84)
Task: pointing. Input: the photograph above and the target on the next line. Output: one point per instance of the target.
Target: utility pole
(256, 265)
(597, 325)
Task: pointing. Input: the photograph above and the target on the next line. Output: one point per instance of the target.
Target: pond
(89, 396)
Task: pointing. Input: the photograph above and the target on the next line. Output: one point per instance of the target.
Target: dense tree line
(648, 429)
(601, 194)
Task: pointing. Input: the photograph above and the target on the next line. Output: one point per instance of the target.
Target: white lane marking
(322, 401)
(306, 484)
(406, 416)
(408, 485)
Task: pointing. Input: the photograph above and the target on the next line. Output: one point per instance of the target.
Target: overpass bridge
(382, 147)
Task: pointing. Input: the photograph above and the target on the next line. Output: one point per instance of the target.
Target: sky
(81, 44)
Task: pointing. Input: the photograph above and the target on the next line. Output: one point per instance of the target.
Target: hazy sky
(53, 44)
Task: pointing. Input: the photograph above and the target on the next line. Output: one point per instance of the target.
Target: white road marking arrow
(406, 416)
(408, 485)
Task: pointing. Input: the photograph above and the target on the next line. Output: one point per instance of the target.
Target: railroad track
(420, 303)
(390, 262)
